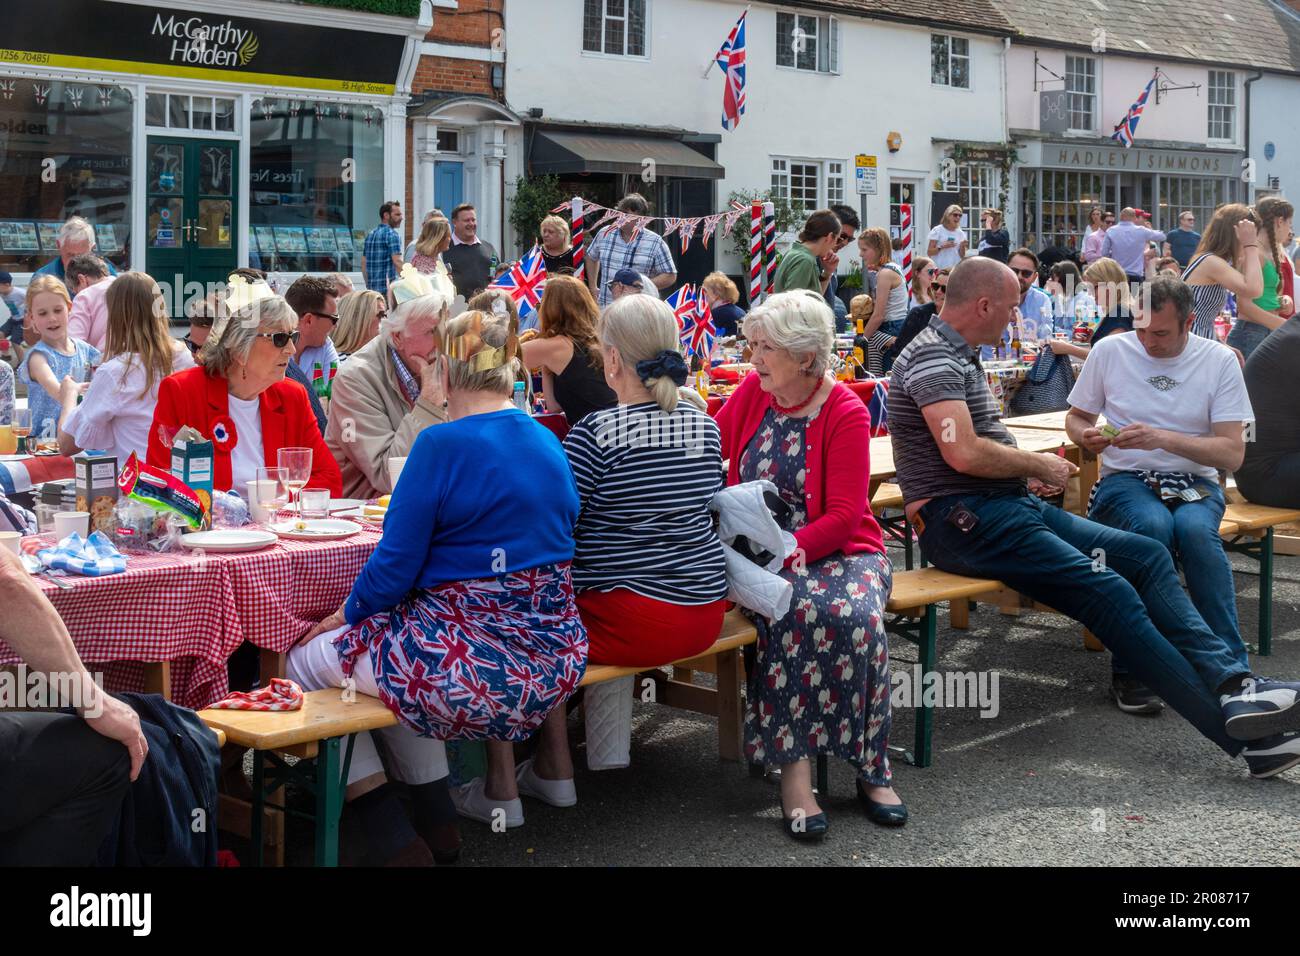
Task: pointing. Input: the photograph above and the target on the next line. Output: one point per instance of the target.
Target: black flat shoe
(883, 814)
(809, 829)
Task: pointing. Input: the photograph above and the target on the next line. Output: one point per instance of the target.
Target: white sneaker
(558, 793)
(473, 802)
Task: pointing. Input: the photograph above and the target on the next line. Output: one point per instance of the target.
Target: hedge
(395, 8)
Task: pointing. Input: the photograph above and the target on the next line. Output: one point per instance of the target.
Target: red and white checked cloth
(194, 610)
(283, 694)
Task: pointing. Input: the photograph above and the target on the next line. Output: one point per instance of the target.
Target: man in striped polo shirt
(973, 497)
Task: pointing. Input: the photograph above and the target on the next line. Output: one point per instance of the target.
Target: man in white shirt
(1035, 304)
(1176, 407)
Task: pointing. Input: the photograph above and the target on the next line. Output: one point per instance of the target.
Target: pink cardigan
(837, 462)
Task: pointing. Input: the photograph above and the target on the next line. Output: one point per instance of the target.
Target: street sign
(865, 174)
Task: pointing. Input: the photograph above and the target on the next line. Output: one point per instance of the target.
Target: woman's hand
(1246, 232)
(335, 620)
(527, 335)
(1059, 347)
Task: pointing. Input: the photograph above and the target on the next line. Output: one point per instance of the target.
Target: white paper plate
(345, 504)
(231, 539)
(317, 529)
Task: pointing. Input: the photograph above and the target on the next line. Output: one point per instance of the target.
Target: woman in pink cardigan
(821, 684)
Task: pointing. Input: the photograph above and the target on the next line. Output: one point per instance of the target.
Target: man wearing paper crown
(387, 392)
(238, 395)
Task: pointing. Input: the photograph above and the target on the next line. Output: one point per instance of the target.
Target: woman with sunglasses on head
(238, 397)
(1256, 318)
(360, 314)
(1227, 260)
(139, 353)
(1105, 281)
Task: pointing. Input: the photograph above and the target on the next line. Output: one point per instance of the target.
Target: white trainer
(558, 793)
(473, 803)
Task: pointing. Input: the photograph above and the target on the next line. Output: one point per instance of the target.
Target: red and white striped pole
(769, 244)
(577, 238)
(905, 228)
(755, 253)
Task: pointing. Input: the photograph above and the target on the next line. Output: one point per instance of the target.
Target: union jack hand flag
(525, 280)
(731, 58)
(695, 326)
(1127, 127)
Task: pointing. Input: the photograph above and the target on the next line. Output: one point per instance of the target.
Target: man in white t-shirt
(1176, 408)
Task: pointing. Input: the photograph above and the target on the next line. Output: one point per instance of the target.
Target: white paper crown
(413, 284)
(240, 293)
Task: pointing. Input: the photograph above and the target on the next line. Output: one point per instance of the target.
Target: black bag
(1046, 387)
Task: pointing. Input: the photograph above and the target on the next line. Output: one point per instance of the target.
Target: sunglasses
(333, 317)
(939, 286)
(279, 339)
(1024, 273)
(844, 238)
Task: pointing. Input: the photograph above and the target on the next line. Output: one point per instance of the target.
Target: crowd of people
(483, 603)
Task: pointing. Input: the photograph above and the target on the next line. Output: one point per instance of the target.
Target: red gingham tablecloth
(194, 609)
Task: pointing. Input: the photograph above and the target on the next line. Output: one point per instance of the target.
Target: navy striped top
(645, 478)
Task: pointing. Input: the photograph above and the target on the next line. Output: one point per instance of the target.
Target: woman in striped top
(1227, 260)
(648, 563)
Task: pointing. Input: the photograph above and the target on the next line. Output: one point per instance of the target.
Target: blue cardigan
(479, 497)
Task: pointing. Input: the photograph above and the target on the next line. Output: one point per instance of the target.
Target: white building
(1074, 70)
(603, 93)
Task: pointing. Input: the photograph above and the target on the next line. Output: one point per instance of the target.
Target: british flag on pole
(731, 58)
(525, 280)
(695, 326)
(1127, 128)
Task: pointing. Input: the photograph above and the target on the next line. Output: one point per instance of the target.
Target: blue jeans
(1190, 530)
(1247, 336)
(1121, 586)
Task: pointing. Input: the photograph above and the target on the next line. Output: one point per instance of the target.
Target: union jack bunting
(731, 58)
(1127, 127)
(695, 326)
(525, 280)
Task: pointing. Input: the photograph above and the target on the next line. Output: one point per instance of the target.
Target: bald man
(973, 497)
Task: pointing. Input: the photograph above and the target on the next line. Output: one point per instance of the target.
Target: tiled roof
(1241, 33)
(978, 15)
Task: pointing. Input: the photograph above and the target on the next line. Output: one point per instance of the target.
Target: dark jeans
(1247, 336)
(61, 787)
(1277, 486)
(1121, 586)
(1190, 530)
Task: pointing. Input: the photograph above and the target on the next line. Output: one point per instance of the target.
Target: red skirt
(629, 630)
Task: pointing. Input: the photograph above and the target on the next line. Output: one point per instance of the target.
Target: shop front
(1060, 182)
(201, 136)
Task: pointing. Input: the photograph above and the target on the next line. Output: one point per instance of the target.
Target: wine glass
(267, 494)
(296, 464)
(22, 427)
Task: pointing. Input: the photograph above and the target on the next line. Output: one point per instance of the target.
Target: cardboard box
(96, 485)
(192, 464)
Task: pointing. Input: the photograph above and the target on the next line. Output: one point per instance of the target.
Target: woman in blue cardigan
(463, 621)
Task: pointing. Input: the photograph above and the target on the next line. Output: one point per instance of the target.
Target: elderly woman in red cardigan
(821, 684)
(238, 396)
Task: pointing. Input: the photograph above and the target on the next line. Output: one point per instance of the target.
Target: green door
(191, 216)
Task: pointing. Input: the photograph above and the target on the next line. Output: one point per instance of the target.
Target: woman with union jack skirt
(463, 621)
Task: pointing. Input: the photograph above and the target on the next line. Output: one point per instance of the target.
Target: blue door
(448, 186)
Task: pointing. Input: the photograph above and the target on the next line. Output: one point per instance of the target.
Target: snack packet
(161, 492)
(1110, 431)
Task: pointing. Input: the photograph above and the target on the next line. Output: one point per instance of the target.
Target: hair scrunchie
(667, 364)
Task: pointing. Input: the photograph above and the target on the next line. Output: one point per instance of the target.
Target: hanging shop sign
(166, 41)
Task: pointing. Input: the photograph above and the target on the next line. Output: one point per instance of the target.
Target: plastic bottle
(520, 397)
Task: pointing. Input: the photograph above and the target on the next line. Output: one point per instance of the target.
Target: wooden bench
(889, 498)
(913, 601)
(723, 659)
(321, 736)
(1252, 535)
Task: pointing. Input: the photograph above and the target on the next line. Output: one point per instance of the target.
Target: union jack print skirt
(486, 659)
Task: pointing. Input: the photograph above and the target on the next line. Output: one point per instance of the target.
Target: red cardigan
(837, 462)
(193, 397)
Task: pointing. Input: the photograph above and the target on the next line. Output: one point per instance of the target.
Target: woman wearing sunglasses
(238, 397)
(359, 316)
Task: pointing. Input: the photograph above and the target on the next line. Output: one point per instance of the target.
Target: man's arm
(1224, 449)
(36, 633)
(954, 432)
(664, 279)
(1082, 428)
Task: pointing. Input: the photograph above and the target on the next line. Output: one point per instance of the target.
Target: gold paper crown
(240, 293)
(413, 284)
(469, 347)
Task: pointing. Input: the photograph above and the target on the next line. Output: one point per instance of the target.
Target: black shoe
(1134, 697)
(883, 814)
(809, 829)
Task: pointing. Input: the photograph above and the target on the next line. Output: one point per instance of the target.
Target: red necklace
(795, 408)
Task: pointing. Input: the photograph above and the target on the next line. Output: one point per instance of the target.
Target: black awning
(556, 151)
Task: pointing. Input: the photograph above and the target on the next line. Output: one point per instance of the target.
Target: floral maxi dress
(821, 682)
